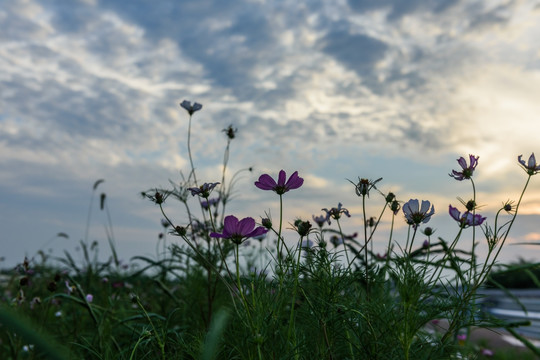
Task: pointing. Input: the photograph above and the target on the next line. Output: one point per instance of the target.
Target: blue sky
(333, 89)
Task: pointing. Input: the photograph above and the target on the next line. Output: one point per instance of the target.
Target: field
(235, 288)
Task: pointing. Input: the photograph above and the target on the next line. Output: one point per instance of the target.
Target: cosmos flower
(467, 219)
(531, 167)
(206, 204)
(190, 108)
(415, 215)
(238, 231)
(204, 190)
(335, 213)
(320, 220)
(267, 183)
(467, 171)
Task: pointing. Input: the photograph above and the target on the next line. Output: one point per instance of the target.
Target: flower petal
(265, 182)
(294, 181)
(281, 178)
(257, 232)
(245, 226)
(230, 225)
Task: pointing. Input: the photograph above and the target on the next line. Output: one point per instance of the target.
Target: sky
(335, 90)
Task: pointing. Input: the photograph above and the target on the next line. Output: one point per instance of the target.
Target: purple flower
(467, 219)
(531, 167)
(487, 352)
(210, 202)
(190, 108)
(467, 171)
(238, 231)
(321, 219)
(415, 215)
(335, 213)
(204, 190)
(336, 241)
(89, 298)
(267, 183)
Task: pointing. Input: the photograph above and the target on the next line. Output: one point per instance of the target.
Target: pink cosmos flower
(531, 167)
(467, 219)
(267, 183)
(467, 171)
(238, 231)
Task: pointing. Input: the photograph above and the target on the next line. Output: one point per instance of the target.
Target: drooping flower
(415, 215)
(238, 231)
(467, 171)
(204, 190)
(335, 213)
(190, 108)
(531, 167)
(267, 183)
(467, 219)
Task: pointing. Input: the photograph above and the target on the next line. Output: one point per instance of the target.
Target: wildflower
(414, 214)
(206, 204)
(238, 231)
(336, 241)
(425, 244)
(467, 219)
(302, 227)
(204, 190)
(363, 186)
(335, 213)
(267, 223)
(89, 298)
(487, 352)
(267, 183)
(428, 231)
(180, 230)
(467, 171)
(507, 206)
(531, 167)
(230, 132)
(461, 339)
(58, 313)
(469, 205)
(190, 108)
(395, 207)
(320, 220)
